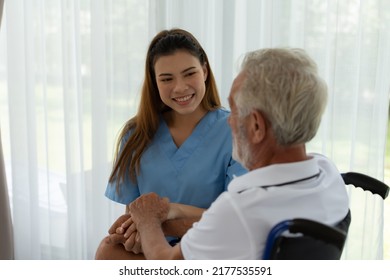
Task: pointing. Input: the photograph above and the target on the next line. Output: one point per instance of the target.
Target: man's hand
(149, 208)
(148, 212)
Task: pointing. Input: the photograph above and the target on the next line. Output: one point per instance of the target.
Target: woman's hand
(131, 235)
(123, 231)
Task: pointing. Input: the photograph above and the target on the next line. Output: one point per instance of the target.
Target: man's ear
(257, 126)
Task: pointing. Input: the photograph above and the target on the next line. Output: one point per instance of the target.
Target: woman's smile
(183, 100)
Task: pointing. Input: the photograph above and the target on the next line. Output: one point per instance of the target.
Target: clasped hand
(148, 208)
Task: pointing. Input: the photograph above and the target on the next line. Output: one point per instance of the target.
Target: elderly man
(276, 101)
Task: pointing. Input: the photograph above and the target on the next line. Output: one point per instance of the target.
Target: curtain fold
(6, 230)
(71, 73)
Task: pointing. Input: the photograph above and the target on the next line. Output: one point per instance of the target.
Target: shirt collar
(275, 174)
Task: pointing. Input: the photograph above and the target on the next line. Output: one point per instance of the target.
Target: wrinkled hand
(149, 208)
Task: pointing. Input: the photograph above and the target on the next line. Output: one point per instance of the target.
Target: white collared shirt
(237, 223)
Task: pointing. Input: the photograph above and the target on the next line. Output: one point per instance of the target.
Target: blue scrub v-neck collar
(179, 156)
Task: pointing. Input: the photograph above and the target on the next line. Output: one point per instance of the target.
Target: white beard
(241, 151)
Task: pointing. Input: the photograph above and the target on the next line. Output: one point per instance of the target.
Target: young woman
(179, 144)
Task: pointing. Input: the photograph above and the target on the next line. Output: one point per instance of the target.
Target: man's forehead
(238, 82)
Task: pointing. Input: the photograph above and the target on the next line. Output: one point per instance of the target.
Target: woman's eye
(166, 80)
(190, 74)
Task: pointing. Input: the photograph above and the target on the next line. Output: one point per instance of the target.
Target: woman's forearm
(181, 218)
(177, 210)
(178, 227)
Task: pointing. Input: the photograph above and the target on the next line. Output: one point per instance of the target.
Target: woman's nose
(180, 86)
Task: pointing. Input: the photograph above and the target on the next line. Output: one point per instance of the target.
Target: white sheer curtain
(6, 234)
(70, 75)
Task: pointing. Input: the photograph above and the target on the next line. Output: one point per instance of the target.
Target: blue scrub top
(193, 174)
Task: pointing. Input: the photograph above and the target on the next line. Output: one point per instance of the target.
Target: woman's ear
(205, 71)
(257, 126)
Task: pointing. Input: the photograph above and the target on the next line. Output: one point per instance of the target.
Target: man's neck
(280, 154)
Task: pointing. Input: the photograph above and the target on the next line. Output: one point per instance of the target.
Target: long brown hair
(144, 125)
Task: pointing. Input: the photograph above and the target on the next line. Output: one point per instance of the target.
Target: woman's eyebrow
(184, 71)
(165, 74)
(188, 69)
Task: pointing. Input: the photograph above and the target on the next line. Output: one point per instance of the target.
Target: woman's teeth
(183, 99)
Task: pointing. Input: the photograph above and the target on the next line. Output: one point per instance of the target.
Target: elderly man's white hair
(284, 85)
